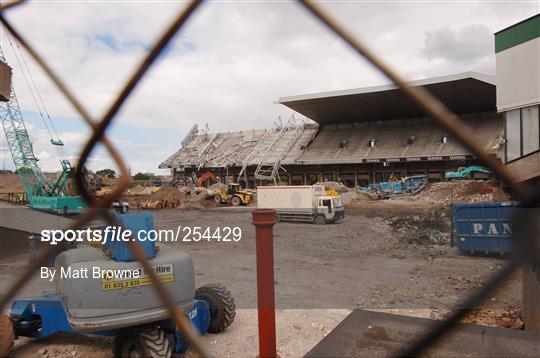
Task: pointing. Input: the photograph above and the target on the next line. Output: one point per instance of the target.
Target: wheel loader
(123, 303)
(233, 195)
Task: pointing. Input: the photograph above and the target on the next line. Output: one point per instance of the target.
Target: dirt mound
(423, 227)
(463, 191)
(11, 182)
(354, 198)
(332, 185)
(137, 191)
(167, 193)
(170, 197)
(218, 187)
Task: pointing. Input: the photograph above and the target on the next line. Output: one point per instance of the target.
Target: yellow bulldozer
(233, 195)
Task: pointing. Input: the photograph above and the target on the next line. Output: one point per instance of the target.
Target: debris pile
(425, 228)
(509, 317)
(355, 197)
(434, 194)
(217, 187)
(168, 198)
(463, 191)
(351, 197)
(332, 185)
(138, 191)
(158, 204)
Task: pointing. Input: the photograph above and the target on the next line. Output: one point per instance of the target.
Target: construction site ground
(392, 255)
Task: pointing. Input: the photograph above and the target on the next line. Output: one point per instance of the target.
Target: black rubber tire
(319, 219)
(221, 303)
(236, 201)
(217, 199)
(143, 341)
(6, 335)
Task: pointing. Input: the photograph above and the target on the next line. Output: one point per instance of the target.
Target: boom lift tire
(142, 341)
(221, 303)
(6, 335)
(236, 201)
(319, 219)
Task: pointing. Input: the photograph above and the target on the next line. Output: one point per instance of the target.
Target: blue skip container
(484, 227)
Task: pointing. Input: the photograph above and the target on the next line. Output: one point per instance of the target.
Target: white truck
(301, 203)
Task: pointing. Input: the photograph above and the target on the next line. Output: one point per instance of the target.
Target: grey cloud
(464, 45)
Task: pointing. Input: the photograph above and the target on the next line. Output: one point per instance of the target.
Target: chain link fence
(526, 254)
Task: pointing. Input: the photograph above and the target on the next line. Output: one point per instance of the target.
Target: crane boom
(41, 193)
(35, 183)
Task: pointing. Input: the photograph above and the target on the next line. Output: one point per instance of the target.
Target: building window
(530, 135)
(522, 132)
(513, 134)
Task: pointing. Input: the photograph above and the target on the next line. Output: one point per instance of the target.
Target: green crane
(42, 194)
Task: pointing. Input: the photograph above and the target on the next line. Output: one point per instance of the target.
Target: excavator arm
(207, 175)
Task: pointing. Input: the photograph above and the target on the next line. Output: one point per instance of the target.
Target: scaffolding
(263, 149)
(275, 148)
(235, 154)
(206, 151)
(257, 150)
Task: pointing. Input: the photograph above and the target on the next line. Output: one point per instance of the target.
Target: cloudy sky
(231, 62)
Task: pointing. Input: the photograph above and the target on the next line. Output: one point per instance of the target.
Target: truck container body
(484, 227)
(296, 198)
(301, 203)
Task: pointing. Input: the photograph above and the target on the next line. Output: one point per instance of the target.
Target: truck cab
(331, 207)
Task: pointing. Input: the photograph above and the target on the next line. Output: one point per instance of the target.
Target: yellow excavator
(233, 195)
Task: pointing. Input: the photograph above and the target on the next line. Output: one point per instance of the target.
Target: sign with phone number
(165, 274)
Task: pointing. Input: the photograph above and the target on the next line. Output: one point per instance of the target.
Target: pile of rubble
(350, 196)
(462, 191)
(170, 197)
(356, 197)
(507, 317)
(158, 204)
(335, 186)
(426, 227)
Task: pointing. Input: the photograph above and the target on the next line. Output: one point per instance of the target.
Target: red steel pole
(264, 220)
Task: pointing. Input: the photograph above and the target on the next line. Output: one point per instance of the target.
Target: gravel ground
(378, 257)
(375, 259)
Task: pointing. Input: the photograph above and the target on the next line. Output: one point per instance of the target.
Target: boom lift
(42, 194)
(114, 297)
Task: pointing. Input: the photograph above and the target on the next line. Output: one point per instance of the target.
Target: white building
(518, 98)
(518, 95)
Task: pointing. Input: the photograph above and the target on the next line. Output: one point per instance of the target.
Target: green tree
(142, 176)
(106, 173)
